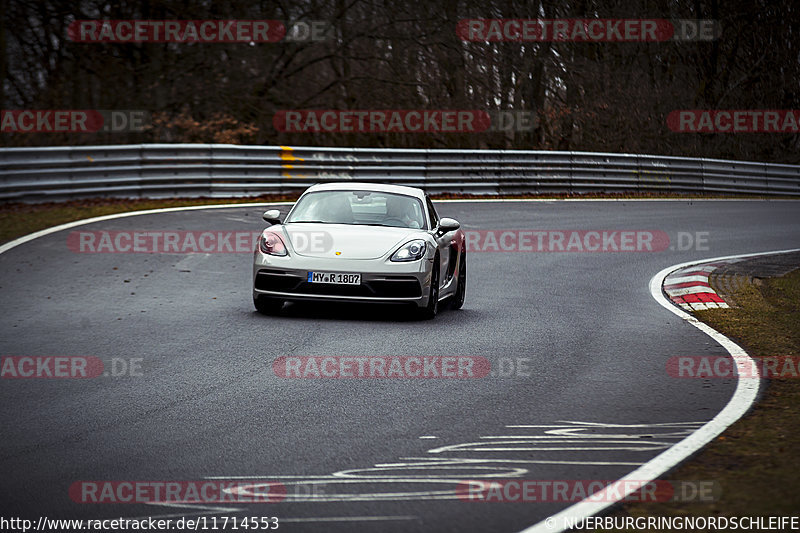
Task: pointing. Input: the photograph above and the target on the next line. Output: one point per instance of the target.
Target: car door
(448, 251)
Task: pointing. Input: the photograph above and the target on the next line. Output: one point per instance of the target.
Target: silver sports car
(361, 242)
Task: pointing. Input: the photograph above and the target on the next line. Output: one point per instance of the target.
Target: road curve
(589, 398)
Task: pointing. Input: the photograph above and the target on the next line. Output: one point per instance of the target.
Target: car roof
(361, 186)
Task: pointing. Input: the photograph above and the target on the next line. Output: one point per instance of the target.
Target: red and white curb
(689, 287)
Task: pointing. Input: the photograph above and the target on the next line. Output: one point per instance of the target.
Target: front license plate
(334, 277)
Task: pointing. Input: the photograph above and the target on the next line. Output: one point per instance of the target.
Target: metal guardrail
(222, 170)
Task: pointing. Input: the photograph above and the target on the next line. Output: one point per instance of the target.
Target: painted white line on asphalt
(47, 231)
(270, 477)
(517, 446)
(601, 424)
(736, 407)
(197, 510)
(466, 461)
(742, 400)
(583, 438)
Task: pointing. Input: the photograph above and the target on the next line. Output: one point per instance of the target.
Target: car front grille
(388, 287)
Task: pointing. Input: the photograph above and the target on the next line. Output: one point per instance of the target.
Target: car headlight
(410, 251)
(270, 243)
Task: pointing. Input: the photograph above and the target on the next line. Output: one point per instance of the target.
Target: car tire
(461, 289)
(430, 310)
(267, 306)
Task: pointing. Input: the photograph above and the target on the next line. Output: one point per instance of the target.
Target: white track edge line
(47, 231)
(61, 227)
(742, 400)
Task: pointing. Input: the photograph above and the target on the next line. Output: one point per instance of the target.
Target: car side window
(434, 218)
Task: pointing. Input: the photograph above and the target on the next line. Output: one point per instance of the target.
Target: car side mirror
(273, 216)
(446, 225)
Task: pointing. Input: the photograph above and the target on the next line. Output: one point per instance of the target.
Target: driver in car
(400, 212)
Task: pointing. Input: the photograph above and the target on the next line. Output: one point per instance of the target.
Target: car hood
(345, 240)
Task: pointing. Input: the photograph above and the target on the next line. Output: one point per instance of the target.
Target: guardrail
(222, 170)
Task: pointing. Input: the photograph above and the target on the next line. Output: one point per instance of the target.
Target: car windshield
(373, 208)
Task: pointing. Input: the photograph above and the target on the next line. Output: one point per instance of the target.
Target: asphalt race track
(588, 397)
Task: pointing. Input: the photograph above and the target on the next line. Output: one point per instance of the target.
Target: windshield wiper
(383, 225)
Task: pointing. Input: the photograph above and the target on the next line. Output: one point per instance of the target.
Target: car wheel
(432, 308)
(461, 290)
(267, 306)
